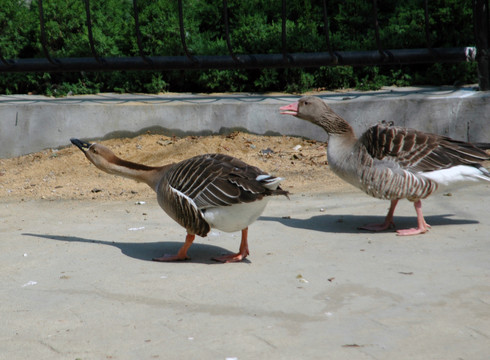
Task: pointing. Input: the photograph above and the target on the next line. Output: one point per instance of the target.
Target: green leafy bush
(255, 27)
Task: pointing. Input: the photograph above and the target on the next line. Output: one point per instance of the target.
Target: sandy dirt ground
(66, 174)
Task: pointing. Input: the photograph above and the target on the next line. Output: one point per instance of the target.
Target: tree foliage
(255, 27)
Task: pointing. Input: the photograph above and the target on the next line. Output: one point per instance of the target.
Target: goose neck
(140, 173)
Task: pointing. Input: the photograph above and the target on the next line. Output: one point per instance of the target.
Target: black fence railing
(329, 57)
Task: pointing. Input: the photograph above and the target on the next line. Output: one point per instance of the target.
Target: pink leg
(422, 226)
(242, 253)
(182, 254)
(388, 223)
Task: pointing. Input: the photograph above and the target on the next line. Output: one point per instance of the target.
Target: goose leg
(422, 226)
(388, 223)
(182, 254)
(242, 253)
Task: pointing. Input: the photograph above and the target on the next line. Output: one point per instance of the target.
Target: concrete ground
(78, 283)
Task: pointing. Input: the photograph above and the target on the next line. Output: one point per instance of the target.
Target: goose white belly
(235, 217)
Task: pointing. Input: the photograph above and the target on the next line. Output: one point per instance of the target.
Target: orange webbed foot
(413, 231)
(240, 255)
(182, 254)
(169, 258)
(230, 258)
(422, 226)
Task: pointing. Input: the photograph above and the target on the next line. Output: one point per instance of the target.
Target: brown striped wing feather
(417, 151)
(206, 181)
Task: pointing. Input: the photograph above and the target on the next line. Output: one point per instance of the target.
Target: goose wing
(219, 180)
(417, 151)
(211, 180)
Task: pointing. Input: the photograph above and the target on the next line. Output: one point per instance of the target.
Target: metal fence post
(480, 16)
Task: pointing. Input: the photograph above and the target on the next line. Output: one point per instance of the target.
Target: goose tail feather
(269, 182)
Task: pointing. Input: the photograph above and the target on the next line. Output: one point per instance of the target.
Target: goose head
(97, 154)
(316, 111)
(308, 108)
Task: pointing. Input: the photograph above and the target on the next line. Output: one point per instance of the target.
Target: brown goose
(200, 193)
(391, 162)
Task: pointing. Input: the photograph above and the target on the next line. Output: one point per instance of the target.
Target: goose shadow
(146, 251)
(349, 224)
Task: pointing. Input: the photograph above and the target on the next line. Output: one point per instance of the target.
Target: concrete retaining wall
(32, 123)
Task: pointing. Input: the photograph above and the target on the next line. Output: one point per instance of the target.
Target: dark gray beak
(82, 145)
